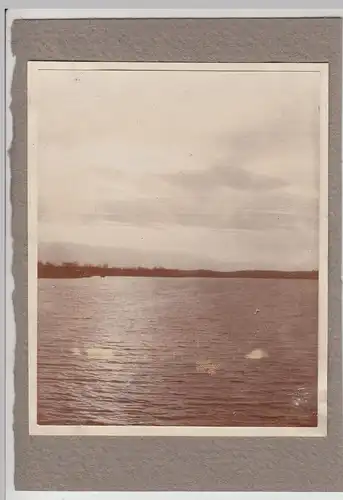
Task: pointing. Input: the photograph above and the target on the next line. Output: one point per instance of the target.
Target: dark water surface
(159, 351)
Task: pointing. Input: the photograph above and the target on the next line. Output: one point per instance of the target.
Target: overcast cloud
(179, 169)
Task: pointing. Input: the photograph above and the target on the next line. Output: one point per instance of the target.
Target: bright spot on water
(99, 353)
(301, 397)
(207, 366)
(256, 354)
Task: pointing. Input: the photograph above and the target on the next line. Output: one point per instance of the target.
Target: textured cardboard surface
(101, 463)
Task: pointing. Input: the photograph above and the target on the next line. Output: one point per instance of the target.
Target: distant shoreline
(76, 271)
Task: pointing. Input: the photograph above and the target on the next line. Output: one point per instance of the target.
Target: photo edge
(33, 67)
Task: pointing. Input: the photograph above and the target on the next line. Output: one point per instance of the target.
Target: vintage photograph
(177, 248)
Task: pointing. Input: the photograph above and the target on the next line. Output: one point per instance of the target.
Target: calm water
(155, 351)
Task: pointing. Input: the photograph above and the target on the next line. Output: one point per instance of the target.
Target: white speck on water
(99, 353)
(207, 366)
(256, 354)
(300, 397)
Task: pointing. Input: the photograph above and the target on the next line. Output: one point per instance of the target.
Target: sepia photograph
(177, 248)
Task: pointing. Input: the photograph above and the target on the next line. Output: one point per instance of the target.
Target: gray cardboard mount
(151, 463)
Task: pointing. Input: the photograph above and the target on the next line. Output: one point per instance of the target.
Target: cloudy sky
(179, 169)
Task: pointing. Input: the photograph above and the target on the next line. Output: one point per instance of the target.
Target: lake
(177, 351)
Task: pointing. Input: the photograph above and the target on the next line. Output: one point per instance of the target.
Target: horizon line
(76, 270)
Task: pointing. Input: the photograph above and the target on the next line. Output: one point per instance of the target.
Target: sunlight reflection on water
(147, 351)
